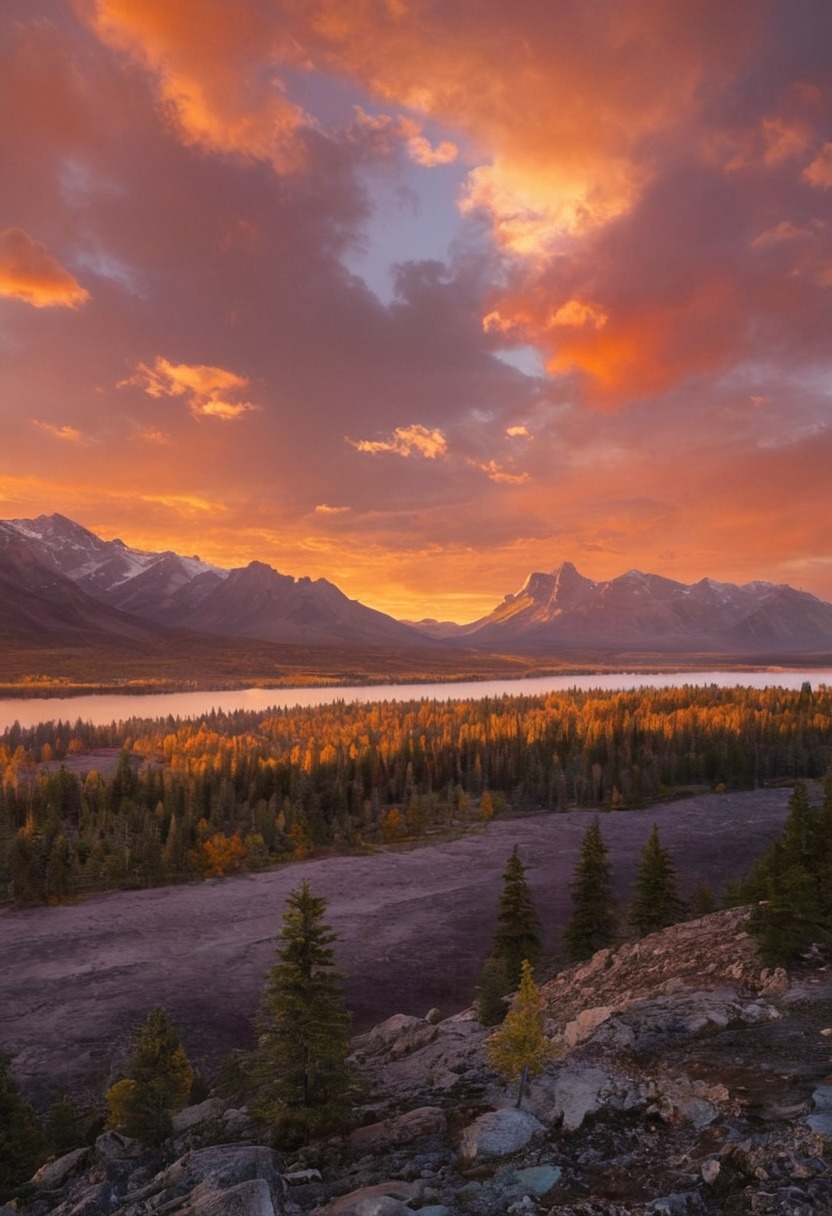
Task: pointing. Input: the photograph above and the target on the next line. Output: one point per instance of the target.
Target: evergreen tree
(592, 924)
(518, 1049)
(518, 936)
(157, 1082)
(302, 1082)
(790, 884)
(656, 903)
(20, 1140)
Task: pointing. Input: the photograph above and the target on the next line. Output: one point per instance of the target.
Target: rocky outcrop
(688, 1080)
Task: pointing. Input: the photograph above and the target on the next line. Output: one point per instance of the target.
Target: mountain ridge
(554, 612)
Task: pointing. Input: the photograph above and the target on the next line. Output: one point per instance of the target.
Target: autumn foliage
(243, 790)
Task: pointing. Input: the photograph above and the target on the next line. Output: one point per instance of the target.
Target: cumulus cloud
(415, 440)
(518, 432)
(209, 391)
(29, 272)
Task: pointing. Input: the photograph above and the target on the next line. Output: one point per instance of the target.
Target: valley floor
(414, 927)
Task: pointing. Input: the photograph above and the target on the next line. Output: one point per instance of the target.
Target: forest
(247, 790)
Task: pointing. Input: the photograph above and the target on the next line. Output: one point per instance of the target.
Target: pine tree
(790, 884)
(592, 924)
(302, 1082)
(518, 1049)
(656, 903)
(157, 1082)
(518, 937)
(20, 1140)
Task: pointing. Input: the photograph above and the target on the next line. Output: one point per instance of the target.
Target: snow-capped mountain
(165, 588)
(646, 612)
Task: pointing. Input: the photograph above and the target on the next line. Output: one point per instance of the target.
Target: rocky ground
(688, 1080)
(414, 927)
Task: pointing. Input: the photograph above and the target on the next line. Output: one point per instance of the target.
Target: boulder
(498, 1133)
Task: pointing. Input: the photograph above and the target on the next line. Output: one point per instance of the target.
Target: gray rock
(498, 1133)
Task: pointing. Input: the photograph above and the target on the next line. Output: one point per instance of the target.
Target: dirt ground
(414, 926)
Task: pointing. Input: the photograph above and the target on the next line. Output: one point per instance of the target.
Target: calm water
(108, 708)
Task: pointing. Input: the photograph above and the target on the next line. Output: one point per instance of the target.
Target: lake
(105, 707)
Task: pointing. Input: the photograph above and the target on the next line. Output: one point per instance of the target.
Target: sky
(421, 296)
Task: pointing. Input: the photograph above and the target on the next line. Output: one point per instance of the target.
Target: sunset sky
(423, 295)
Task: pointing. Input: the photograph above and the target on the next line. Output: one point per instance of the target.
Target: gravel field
(414, 926)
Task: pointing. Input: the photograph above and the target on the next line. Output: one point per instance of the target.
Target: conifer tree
(302, 1081)
(790, 884)
(518, 936)
(20, 1139)
(157, 1082)
(656, 903)
(592, 924)
(518, 1049)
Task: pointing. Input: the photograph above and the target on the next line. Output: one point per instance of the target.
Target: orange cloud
(214, 65)
(406, 441)
(209, 390)
(493, 471)
(28, 272)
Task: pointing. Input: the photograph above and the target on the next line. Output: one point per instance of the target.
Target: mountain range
(57, 578)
